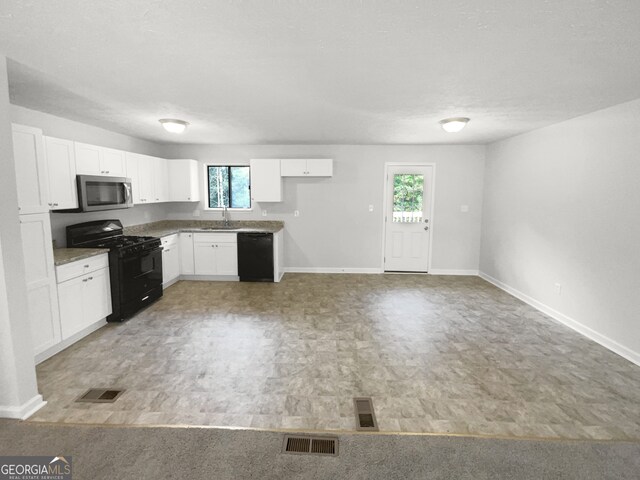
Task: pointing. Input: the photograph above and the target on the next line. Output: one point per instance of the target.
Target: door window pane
(408, 190)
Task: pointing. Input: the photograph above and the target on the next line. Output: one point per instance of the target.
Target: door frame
(386, 196)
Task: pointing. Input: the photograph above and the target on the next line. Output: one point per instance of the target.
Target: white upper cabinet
(306, 167)
(183, 181)
(95, 160)
(31, 169)
(160, 180)
(133, 174)
(145, 179)
(266, 181)
(61, 170)
(149, 178)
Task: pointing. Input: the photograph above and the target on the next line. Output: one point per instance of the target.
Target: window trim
(206, 186)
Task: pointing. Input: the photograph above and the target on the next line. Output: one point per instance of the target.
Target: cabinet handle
(107, 171)
(85, 279)
(50, 204)
(167, 250)
(55, 204)
(90, 278)
(86, 266)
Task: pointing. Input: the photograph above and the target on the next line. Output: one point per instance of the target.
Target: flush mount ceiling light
(453, 125)
(173, 125)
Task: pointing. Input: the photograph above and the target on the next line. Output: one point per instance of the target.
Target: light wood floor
(436, 354)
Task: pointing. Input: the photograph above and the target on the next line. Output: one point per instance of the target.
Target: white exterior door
(407, 218)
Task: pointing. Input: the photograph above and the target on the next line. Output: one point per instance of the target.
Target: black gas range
(135, 264)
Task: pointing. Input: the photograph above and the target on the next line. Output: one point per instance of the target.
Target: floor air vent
(100, 395)
(365, 416)
(310, 445)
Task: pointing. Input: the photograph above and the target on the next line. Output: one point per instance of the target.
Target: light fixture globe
(173, 125)
(453, 125)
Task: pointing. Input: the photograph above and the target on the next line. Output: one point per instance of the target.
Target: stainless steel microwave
(103, 193)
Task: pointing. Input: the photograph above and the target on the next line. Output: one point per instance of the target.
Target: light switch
(296, 213)
(371, 208)
(264, 213)
(464, 208)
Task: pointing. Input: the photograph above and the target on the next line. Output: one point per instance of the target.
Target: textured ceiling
(324, 71)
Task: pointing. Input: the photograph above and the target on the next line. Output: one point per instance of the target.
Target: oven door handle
(145, 273)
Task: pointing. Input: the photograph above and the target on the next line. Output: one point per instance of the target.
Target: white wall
(335, 228)
(18, 388)
(63, 128)
(562, 205)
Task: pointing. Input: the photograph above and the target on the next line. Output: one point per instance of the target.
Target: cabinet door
(183, 185)
(226, 258)
(170, 263)
(88, 159)
(113, 163)
(96, 296)
(145, 179)
(41, 281)
(204, 254)
(61, 168)
(72, 302)
(132, 173)
(170, 258)
(161, 180)
(266, 180)
(319, 167)
(31, 169)
(186, 254)
(293, 167)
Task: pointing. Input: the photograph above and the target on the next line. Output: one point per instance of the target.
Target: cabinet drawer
(215, 238)
(169, 240)
(75, 269)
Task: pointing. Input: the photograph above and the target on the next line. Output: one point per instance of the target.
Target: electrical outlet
(464, 208)
(264, 213)
(558, 287)
(296, 213)
(371, 208)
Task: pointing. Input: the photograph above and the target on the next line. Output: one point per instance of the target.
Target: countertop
(68, 255)
(170, 227)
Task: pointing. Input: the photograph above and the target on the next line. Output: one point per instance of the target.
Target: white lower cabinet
(41, 281)
(187, 266)
(85, 298)
(170, 259)
(215, 253)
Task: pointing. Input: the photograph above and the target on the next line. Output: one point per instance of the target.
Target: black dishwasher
(255, 257)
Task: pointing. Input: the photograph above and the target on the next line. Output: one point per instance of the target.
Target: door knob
(426, 228)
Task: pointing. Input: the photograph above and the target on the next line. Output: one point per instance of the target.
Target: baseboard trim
(58, 347)
(25, 410)
(331, 270)
(588, 332)
(444, 271)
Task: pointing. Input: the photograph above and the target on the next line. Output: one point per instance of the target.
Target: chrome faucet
(225, 215)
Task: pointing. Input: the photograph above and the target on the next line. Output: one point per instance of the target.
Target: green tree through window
(407, 197)
(229, 187)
